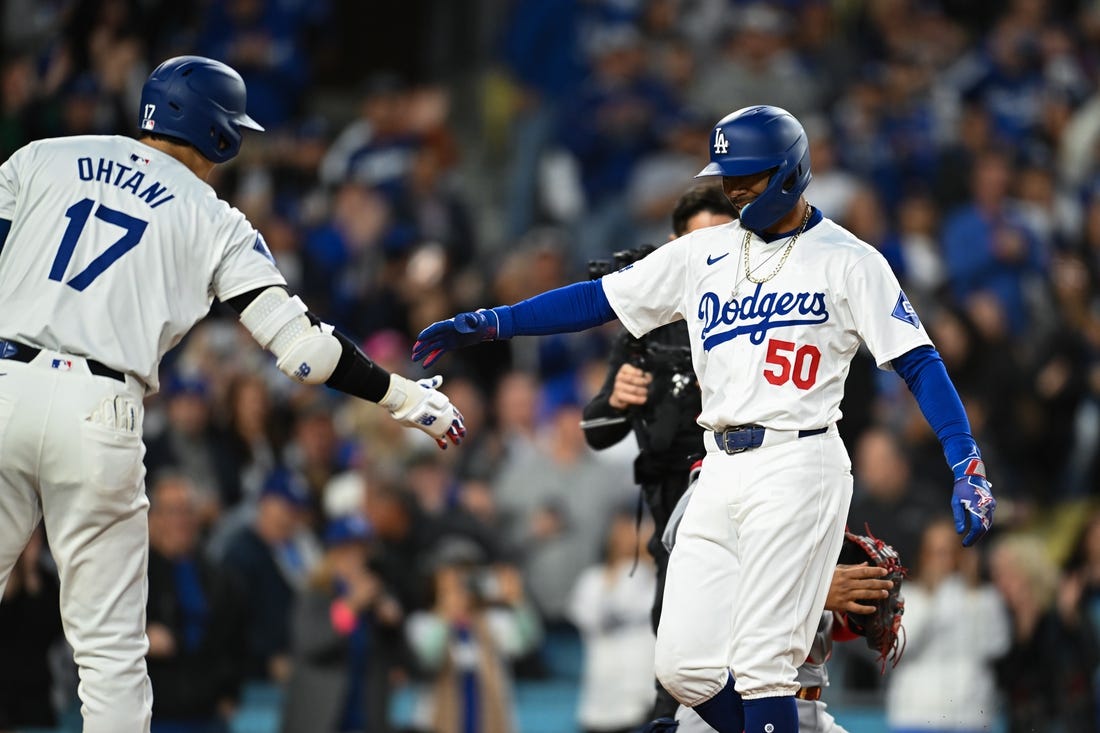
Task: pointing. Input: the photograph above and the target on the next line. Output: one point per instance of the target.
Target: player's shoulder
(836, 242)
(48, 146)
(837, 238)
(84, 144)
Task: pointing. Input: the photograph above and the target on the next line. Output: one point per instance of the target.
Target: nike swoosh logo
(711, 260)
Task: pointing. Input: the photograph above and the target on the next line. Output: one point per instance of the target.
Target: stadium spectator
(555, 503)
(954, 628)
(273, 558)
(608, 605)
(478, 621)
(195, 619)
(888, 498)
(989, 247)
(190, 444)
(342, 625)
(1047, 673)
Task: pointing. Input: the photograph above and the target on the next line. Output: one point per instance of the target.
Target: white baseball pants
(87, 482)
(751, 568)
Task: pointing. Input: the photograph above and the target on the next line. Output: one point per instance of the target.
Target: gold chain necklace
(782, 260)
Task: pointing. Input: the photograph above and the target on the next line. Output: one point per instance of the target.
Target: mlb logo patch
(903, 311)
(63, 365)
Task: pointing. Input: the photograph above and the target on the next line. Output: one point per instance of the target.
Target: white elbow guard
(304, 352)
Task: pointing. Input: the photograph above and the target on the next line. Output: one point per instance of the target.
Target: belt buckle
(732, 451)
(7, 349)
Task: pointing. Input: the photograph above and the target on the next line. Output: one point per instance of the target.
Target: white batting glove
(117, 413)
(419, 405)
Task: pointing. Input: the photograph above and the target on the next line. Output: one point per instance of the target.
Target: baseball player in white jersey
(111, 248)
(776, 305)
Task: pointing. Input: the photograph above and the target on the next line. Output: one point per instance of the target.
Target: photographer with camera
(651, 390)
(479, 622)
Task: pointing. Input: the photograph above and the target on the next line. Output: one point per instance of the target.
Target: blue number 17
(77, 214)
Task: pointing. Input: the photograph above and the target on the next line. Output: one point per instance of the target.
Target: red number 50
(791, 364)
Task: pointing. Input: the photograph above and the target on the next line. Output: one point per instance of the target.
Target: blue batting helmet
(200, 101)
(757, 139)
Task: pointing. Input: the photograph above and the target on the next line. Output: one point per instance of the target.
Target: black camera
(619, 260)
(675, 390)
(483, 585)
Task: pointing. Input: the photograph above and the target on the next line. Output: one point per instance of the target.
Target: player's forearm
(925, 375)
(571, 308)
(355, 374)
(574, 307)
(349, 369)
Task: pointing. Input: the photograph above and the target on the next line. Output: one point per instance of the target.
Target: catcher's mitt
(882, 628)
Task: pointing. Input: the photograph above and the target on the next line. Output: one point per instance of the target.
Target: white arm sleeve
(304, 352)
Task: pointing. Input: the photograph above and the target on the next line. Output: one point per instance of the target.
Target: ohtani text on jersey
(125, 177)
(754, 314)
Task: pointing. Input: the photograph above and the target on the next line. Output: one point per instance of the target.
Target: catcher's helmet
(756, 139)
(200, 101)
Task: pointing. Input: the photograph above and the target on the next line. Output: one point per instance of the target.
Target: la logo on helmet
(721, 145)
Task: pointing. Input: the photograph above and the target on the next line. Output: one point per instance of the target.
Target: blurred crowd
(304, 540)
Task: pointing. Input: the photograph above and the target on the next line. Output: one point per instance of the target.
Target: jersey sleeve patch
(903, 311)
(261, 246)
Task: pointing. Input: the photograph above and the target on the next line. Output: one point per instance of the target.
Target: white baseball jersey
(777, 353)
(116, 249)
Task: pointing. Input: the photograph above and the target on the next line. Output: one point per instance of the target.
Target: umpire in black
(651, 390)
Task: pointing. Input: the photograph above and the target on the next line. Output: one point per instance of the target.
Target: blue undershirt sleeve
(5, 227)
(925, 375)
(571, 308)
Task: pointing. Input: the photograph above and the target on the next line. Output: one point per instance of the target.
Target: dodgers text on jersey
(754, 314)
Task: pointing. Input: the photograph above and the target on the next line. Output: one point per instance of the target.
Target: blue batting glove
(972, 500)
(465, 329)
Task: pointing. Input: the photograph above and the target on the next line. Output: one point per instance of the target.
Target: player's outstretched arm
(312, 352)
(972, 502)
(571, 308)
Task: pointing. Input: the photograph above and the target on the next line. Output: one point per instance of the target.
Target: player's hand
(854, 583)
(465, 329)
(631, 387)
(161, 642)
(420, 405)
(972, 501)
